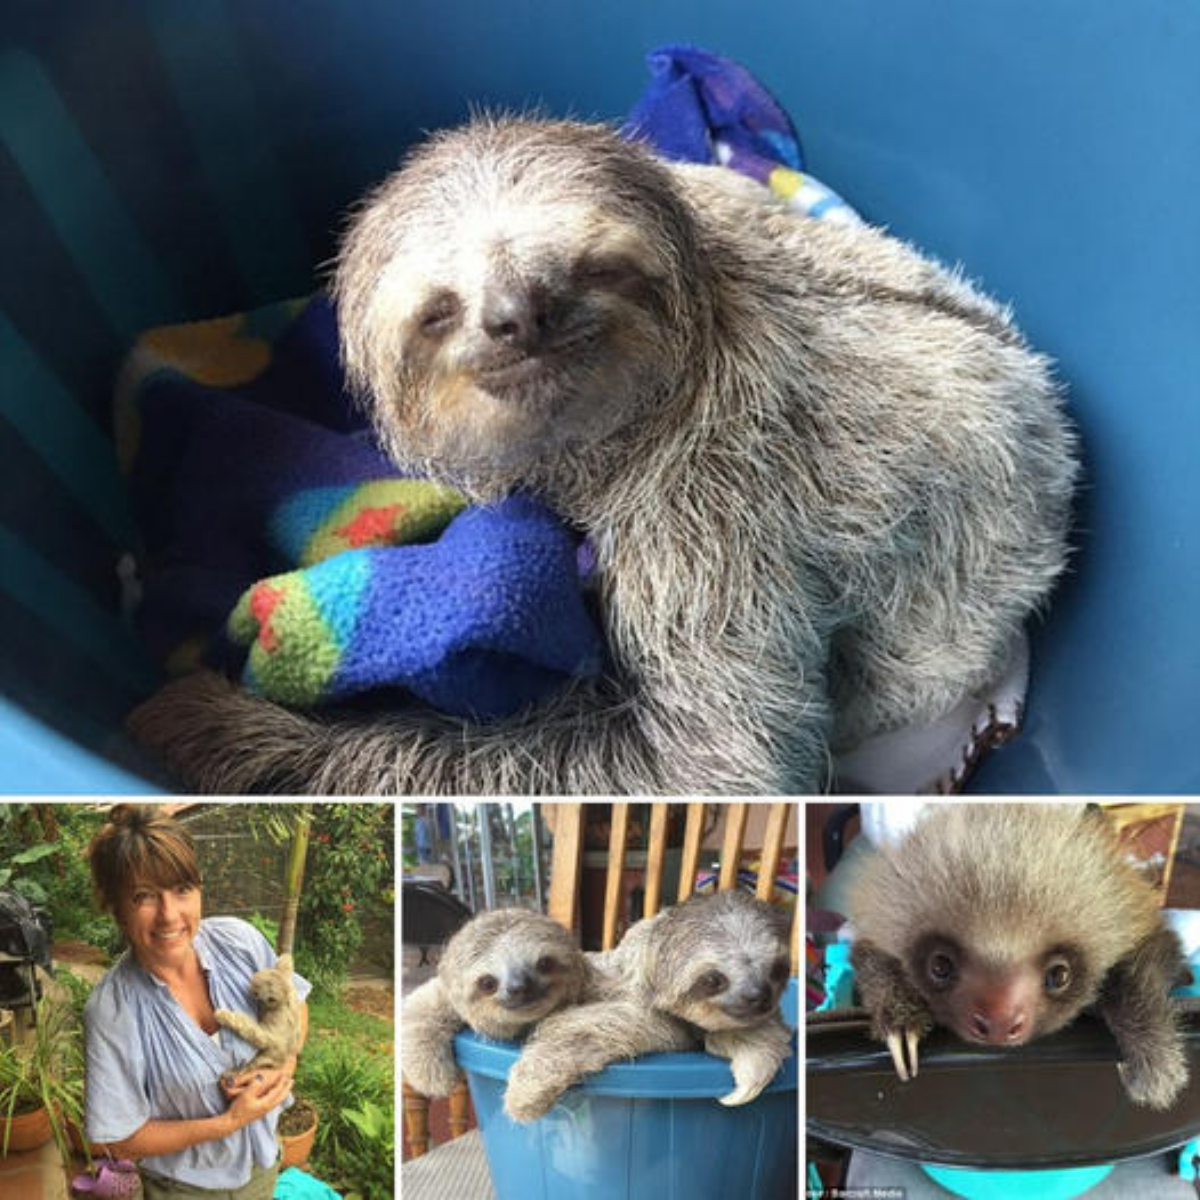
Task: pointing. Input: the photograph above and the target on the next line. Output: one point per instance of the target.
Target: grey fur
(1005, 890)
(276, 1033)
(648, 998)
(826, 479)
(505, 945)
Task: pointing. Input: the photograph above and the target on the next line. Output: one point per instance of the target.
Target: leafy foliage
(351, 1086)
(348, 878)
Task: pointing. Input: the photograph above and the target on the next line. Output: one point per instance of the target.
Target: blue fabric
(244, 451)
(148, 1060)
(294, 1184)
(696, 99)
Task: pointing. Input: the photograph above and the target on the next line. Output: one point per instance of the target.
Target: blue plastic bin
(164, 160)
(646, 1130)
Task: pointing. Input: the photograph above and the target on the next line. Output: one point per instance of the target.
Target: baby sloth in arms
(1003, 922)
(825, 480)
(276, 1033)
(500, 974)
(707, 973)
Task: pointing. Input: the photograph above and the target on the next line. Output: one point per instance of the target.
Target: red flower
(348, 906)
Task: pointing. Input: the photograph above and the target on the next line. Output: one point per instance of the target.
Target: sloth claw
(740, 1095)
(904, 1053)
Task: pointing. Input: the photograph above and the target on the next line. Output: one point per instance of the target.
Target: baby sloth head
(1006, 918)
(272, 987)
(719, 961)
(507, 969)
(516, 289)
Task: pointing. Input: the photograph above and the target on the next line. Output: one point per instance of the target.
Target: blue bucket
(166, 161)
(651, 1129)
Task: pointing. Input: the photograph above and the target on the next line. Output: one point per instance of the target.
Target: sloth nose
(999, 1025)
(515, 315)
(759, 996)
(520, 985)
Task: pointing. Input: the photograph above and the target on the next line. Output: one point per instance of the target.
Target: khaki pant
(260, 1186)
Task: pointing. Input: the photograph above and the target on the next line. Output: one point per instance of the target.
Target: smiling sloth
(500, 974)
(707, 973)
(825, 479)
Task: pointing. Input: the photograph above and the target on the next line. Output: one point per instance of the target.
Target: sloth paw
(527, 1097)
(1155, 1082)
(436, 1076)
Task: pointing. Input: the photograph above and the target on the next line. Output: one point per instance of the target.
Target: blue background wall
(168, 160)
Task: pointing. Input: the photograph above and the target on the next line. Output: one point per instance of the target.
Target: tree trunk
(297, 853)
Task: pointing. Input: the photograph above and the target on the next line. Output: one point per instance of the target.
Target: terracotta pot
(296, 1149)
(26, 1131)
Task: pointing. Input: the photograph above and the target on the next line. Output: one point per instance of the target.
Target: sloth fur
(1003, 922)
(500, 973)
(826, 479)
(708, 972)
(276, 1033)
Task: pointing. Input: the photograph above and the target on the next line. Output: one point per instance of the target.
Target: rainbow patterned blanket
(280, 543)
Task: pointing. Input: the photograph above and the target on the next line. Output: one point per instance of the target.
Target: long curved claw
(912, 1038)
(740, 1095)
(897, 1051)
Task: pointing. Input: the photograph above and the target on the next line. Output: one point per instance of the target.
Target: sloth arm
(1134, 1002)
(580, 1041)
(428, 1023)
(755, 1055)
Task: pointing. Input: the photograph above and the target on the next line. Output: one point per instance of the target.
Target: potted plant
(296, 1131)
(41, 1081)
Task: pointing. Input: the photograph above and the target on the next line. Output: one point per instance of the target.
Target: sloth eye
(487, 984)
(546, 965)
(712, 983)
(612, 272)
(779, 972)
(440, 315)
(940, 967)
(1058, 975)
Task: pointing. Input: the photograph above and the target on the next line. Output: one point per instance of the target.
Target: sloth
(1003, 922)
(825, 479)
(276, 1033)
(500, 974)
(707, 973)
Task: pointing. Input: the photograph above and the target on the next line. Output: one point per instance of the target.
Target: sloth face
(721, 961)
(271, 988)
(1001, 1000)
(523, 281)
(509, 968)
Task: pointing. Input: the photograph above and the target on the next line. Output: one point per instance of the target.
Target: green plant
(266, 926)
(31, 889)
(348, 874)
(338, 1077)
(46, 1070)
(368, 1163)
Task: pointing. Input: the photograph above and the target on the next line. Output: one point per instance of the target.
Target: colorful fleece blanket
(281, 545)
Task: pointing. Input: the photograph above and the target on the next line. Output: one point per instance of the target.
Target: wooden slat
(777, 821)
(731, 848)
(612, 883)
(563, 904)
(656, 852)
(459, 1116)
(416, 1119)
(693, 832)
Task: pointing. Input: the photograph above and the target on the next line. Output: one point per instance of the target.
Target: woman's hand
(256, 1093)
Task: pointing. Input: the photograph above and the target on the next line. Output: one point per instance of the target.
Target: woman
(155, 1053)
